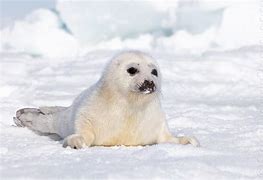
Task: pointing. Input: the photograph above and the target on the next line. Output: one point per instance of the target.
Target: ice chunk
(183, 42)
(41, 33)
(240, 26)
(96, 21)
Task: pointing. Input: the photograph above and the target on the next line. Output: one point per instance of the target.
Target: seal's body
(122, 108)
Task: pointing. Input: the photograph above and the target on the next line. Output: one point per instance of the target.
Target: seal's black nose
(147, 87)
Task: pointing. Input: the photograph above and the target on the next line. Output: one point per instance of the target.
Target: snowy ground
(215, 97)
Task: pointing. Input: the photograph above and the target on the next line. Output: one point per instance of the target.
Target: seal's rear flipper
(37, 120)
(25, 117)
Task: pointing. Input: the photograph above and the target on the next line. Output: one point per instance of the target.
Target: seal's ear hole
(132, 71)
(154, 72)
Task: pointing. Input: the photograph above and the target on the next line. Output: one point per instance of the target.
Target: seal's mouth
(147, 87)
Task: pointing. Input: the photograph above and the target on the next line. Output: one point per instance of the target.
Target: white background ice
(180, 27)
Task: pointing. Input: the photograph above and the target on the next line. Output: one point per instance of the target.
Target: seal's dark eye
(154, 72)
(132, 71)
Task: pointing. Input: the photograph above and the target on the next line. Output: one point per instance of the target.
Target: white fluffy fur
(114, 112)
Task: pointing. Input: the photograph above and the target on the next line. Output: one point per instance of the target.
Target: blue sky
(12, 10)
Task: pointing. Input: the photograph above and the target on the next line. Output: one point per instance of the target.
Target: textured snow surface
(215, 97)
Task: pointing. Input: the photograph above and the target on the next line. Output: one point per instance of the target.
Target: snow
(215, 97)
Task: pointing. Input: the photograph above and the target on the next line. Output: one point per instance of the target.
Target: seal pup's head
(133, 72)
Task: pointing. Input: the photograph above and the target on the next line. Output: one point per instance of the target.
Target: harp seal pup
(122, 108)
